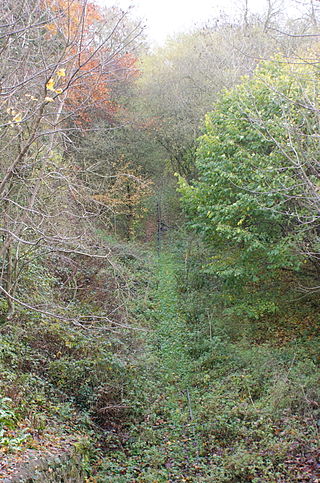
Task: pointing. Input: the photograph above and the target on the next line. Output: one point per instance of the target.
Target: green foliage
(9, 418)
(257, 168)
(217, 378)
(210, 403)
(62, 376)
(162, 434)
(183, 78)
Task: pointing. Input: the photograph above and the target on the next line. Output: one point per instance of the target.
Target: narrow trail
(164, 444)
(173, 339)
(172, 416)
(170, 329)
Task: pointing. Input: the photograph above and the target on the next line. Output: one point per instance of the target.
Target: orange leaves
(90, 93)
(52, 29)
(128, 64)
(127, 190)
(91, 67)
(71, 16)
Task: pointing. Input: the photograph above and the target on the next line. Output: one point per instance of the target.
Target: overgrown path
(210, 406)
(200, 398)
(164, 444)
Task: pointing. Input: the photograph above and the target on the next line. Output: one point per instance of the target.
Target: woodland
(159, 246)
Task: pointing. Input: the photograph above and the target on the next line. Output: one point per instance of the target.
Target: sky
(167, 17)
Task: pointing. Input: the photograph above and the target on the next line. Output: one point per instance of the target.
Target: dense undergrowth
(198, 360)
(195, 394)
(63, 380)
(215, 400)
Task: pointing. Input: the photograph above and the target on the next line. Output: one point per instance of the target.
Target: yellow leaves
(61, 73)
(127, 191)
(50, 85)
(48, 99)
(17, 117)
(52, 29)
(31, 97)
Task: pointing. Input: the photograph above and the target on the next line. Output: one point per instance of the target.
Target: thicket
(65, 287)
(194, 358)
(255, 207)
(216, 399)
(256, 200)
(231, 370)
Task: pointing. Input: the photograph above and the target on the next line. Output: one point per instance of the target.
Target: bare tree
(59, 59)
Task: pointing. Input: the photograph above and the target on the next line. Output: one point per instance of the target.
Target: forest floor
(205, 402)
(213, 410)
(37, 454)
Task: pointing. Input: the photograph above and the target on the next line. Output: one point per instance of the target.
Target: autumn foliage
(92, 67)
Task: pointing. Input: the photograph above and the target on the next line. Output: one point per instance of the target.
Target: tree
(182, 80)
(59, 58)
(126, 191)
(257, 198)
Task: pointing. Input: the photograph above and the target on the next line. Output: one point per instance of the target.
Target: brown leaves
(127, 190)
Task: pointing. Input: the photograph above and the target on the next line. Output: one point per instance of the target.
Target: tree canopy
(256, 200)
